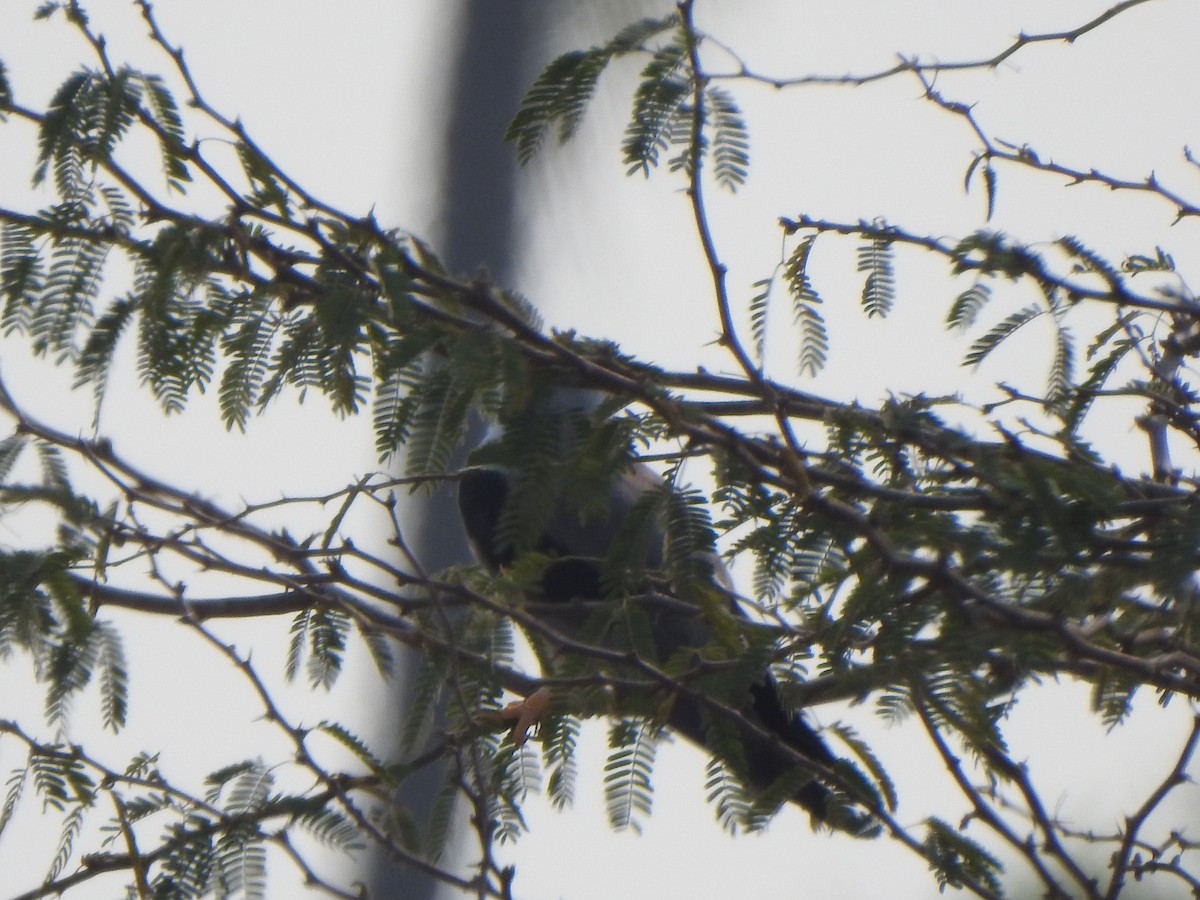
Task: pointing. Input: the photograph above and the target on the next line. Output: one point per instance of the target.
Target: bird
(575, 530)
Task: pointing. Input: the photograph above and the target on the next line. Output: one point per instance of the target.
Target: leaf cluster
(926, 569)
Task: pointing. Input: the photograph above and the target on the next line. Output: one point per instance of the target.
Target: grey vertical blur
(489, 69)
(502, 45)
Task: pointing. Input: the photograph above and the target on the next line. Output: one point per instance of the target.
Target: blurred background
(397, 108)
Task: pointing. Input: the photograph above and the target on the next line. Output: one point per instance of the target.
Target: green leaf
(989, 187)
(61, 778)
(628, 792)
(353, 743)
(86, 119)
(249, 789)
(999, 333)
(879, 290)
(1088, 260)
(296, 359)
(59, 126)
(560, 734)
(68, 295)
(188, 867)
(248, 349)
(439, 423)
(968, 304)
(241, 857)
(957, 860)
(560, 94)
(331, 828)
(862, 750)
(1112, 696)
(814, 338)
(54, 466)
(22, 276)
(730, 140)
(318, 639)
(113, 677)
(164, 112)
(17, 780)
(758, 318)
(725, 791)
(72, 826)
(1083, 398)
(394, 409)
(690, 541)
(659, 119)
(266, 188)
(96, 356)
(1062, 369)
(10, 451)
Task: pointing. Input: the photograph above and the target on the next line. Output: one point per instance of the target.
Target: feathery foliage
(628, 790)
(730, 140)
(923, 559)
(879, 290)
(559, 96)
(661, 119)
(813, 337)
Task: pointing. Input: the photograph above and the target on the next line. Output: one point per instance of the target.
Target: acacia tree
(934, 557)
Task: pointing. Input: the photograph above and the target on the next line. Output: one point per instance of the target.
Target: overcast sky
(343, 93)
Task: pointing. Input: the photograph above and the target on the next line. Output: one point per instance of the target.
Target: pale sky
(341, 100)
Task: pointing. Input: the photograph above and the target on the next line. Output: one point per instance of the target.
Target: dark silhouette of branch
(916, 65)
